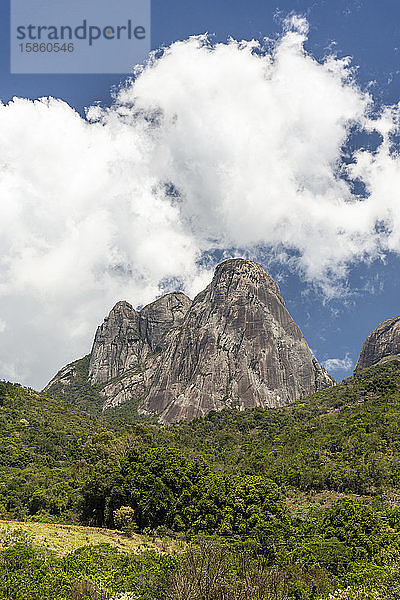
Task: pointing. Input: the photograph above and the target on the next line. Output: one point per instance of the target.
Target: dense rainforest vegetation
(244, 493)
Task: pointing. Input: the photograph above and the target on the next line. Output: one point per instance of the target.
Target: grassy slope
(64, 539)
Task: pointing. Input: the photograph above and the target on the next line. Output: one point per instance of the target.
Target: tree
(124, 519)
(356, 525)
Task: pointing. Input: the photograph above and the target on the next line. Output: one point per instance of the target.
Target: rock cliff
(235, 345)
(382, 342)
(126, 337)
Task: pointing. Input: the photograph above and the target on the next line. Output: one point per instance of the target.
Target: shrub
(124, 519)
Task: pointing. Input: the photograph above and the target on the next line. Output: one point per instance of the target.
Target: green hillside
(303, 500)
(344, 438)
(78, 392)
(47, 448)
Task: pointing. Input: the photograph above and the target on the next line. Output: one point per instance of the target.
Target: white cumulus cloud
(229, 147)
(338, 364)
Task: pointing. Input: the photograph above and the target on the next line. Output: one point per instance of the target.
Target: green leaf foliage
(222, 478)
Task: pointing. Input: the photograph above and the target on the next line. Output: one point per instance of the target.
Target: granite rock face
(235, 345)
(238, 347)
(117, 345)
(127, 345)
(126, 337)
(157, 318)
(381, 342)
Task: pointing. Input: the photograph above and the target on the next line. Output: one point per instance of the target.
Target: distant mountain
(381, 344)
(234, 346)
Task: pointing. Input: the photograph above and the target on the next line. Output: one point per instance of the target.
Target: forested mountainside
(308, 492)
(345, 438)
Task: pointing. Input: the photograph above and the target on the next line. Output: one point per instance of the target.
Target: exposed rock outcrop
(238, 346)
(117, 345)
(235, 345)
(126, 337)
(157, 318)
(126, 347)
(384, 341)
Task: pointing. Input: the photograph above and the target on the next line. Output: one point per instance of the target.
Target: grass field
(67, 538)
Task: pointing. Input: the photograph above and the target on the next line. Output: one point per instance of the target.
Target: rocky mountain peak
(160, 316)
(238, 275)
(115, 345)
(122, 307)
(235, 345)
(127, 336)
(382, 342)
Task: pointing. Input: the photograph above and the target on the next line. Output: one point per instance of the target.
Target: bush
(124, 519)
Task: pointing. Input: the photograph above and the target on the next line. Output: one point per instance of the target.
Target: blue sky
(368, 32)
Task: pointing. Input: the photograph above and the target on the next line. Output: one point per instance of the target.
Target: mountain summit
(235, 345)
(381, 343)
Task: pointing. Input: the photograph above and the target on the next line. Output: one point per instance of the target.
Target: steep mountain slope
(125, 352)
(127, 338)
(382, 342)
(235, 345)
(72, 384)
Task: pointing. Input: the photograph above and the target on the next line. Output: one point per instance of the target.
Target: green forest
(301, 502)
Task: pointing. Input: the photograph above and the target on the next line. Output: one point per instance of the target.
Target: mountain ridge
(234, 345)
